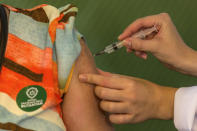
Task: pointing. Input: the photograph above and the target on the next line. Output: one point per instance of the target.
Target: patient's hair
(3, 33)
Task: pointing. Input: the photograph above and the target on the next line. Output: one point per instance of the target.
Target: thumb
(143, 45)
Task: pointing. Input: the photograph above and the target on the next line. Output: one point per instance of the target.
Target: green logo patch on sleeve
(31, 98)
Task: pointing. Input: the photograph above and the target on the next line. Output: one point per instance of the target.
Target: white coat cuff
(185, 108)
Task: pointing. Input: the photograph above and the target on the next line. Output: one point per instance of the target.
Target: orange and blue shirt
(42, 47)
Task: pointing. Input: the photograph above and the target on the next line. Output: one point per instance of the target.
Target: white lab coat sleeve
(185, 109)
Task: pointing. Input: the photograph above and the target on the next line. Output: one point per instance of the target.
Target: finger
(109, 94)
(141, 54)
(113, 107)
(129, 50)
(144, 45)
(144, 55)
(127, 43)
(110, 82)
(145, 22)
(108, 74)
(137, 53)
(121, 118)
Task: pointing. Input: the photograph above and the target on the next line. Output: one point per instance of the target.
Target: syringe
(142, 34)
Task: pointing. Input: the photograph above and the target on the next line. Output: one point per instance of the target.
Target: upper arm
(80, 106)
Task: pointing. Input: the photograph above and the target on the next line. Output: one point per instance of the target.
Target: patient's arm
(80, 106)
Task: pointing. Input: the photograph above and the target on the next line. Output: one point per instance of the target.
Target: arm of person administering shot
(130, 99)
(169, 48)
(80, 107)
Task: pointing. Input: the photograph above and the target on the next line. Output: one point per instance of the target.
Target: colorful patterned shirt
(41, 50)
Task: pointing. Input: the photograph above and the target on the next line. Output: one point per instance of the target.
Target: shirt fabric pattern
(41, 50)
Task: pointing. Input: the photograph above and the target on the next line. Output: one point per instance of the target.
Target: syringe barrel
(144, 33)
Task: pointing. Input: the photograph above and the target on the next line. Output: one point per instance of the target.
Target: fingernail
(119, 36)
(145, 57)
(127, 42)
(82, 77)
